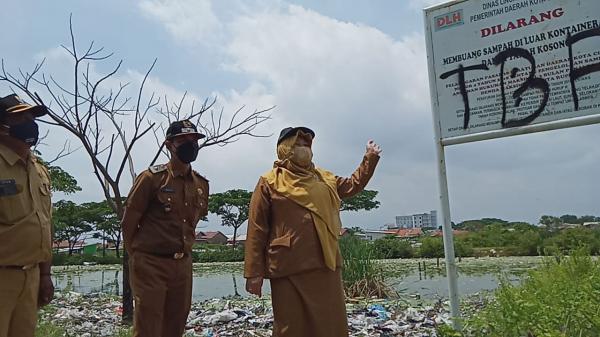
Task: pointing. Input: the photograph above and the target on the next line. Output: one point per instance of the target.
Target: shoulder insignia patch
(157, 168)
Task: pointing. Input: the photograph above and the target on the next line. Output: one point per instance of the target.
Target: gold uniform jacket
(282, 239)
(25, 210)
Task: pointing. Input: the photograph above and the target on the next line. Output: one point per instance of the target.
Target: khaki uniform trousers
(162, 289)
(19, 291)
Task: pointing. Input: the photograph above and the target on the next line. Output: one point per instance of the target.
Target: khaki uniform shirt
(168, 205)
(282, 239)
(25, 210)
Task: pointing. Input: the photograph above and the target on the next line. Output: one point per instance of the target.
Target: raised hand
(373, 148)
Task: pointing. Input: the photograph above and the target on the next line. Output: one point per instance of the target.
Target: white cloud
(351, 82)
(189, 21)
(331, 73)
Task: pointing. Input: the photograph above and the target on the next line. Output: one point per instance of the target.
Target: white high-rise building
(417, 220)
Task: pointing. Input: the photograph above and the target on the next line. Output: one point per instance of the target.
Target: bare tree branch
(216, 130)
(88, 108)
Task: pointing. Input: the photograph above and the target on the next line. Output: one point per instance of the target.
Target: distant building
(211, 237)
(455, 232)
(569, 225)
(63, 246)
(409, 233)
(241, 239)
(417, 220)
(402, 233)
(375, 234)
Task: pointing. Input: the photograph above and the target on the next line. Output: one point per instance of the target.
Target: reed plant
(361, 275)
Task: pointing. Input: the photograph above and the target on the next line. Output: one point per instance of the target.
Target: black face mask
(187, 152)
(27, 132)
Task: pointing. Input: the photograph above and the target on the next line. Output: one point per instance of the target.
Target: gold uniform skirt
(309, 304)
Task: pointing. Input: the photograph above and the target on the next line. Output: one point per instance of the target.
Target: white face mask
(302, 156)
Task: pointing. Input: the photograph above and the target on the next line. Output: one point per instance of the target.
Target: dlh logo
(449, 20)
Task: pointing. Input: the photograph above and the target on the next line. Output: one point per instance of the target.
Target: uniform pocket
(166, 202)
(282, 241)
(45, 189)
(15, 208)
(201, 203)
(45, 195)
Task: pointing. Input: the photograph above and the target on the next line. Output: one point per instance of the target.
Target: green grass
(217, 253)
(48, 329)
(560, 299)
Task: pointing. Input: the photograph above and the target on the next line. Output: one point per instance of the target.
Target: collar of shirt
(9, 155)
(176, 173)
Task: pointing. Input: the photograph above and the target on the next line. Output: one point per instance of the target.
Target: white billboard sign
(498, 64)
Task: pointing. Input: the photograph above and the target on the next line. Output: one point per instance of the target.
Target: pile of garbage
(86, 315)
(383, 318)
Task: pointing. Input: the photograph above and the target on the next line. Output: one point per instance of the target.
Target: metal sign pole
(451, 269)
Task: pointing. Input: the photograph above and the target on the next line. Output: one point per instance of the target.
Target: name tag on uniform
(8, 187)
(167, 190)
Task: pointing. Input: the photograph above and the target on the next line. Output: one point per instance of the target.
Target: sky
(350, 70)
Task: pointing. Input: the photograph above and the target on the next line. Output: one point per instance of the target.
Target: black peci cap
(288, 132)
(184, 127)
(13, 104)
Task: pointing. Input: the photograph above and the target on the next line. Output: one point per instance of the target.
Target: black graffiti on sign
(576, 73)
(463, 88)
(532, 82)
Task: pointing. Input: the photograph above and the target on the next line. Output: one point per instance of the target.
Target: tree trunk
(234, 236)
(71, 247)
(117, 245)
(103, 244)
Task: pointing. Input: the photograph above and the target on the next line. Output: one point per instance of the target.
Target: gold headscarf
(312, 188)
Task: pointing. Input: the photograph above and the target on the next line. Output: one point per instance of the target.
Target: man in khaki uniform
(163, 208)
(25, 228)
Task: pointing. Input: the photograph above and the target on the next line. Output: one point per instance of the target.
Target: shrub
(431, 247)
(218, 253)
(462, 248)
(561, 298)
(392, 248)
(61, 259)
